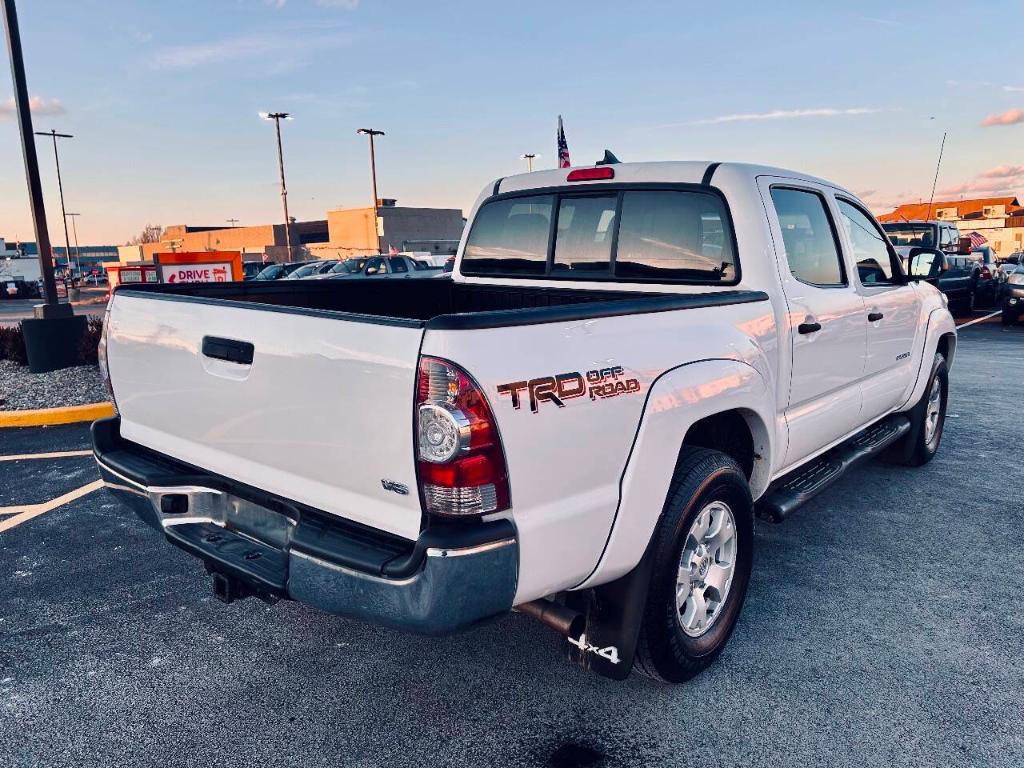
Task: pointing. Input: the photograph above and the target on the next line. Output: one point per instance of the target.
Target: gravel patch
(21, 390)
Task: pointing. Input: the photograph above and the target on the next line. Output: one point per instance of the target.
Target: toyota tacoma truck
(629, 363)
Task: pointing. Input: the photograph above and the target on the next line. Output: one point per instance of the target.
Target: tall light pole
(373, 178)
(78, 253)
(529, 157)
(35, 188)
(232, 222)
(277, 117)
(60, 186)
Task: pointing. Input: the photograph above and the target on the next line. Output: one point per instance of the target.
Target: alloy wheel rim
(707, 565)
(933, 412)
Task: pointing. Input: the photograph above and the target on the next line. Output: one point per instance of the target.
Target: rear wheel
(702, 560)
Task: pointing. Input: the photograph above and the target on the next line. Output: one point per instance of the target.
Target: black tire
(914, 450)
(1008, 318)
(664, 651)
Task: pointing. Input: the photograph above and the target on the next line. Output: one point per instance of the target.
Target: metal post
(284, 190)
(35, 189)
(78, 253)
(529, 157)
(277, 117)
(373, 181)
(60, 186)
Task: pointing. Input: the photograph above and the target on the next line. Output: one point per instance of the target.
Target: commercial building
(89, 257)
(345, 232)
(1000, 220)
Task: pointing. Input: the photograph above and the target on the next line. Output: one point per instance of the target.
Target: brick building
(1000, 220)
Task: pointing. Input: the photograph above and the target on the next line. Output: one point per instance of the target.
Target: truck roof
(668, 171)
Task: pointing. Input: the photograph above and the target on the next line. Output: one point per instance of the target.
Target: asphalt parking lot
(884, 626)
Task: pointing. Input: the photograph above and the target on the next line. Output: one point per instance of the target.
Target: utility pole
(232, 222)
(529, 157)
(60, 186)
(277, 117)
(35, 188)
(373, 179)
(78, 253)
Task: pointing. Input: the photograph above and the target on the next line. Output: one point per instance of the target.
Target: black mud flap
(613, 612)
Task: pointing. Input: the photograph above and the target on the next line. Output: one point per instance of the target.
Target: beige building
(1000, 220)
(345, 232)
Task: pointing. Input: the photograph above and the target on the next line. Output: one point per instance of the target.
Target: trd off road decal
(599, 384)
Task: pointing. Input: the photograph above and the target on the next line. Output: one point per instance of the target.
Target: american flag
(977, 239)
(563, 146)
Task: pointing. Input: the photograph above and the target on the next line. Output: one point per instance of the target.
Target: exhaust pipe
(563, 620)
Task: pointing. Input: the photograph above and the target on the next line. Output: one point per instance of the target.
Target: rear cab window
(681, 234)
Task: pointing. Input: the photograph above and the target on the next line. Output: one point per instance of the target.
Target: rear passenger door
(892, 310)
(826, 322)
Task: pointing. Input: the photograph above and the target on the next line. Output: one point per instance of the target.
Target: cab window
(809, 237)
(875, 262)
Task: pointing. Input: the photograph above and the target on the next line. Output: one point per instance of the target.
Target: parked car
(279, 271)
(627, 361)
(19, 289)
(927, 234)
(1013, 288)
(988, 275)
(312, 269)
(250, 269)
(399, 266)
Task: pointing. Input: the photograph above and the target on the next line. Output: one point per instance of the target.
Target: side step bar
(804, 483)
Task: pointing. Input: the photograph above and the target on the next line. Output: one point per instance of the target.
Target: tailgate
(321, 415)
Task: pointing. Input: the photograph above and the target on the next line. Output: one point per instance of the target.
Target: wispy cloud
(1010, 117)
(883, 22)
(1014, 88)
(282, 50)
(37, 104)
(345, 5)
(781, 114)
(1003, 171)
(1003, 179)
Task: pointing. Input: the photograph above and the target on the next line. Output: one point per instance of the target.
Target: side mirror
(926, 264)
(964, 247)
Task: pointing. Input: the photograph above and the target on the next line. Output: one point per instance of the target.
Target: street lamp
(529, 157)
(232, 222)
(60, 186)
(373, 178)
(49, 308)
(78, 253)
(277, 117)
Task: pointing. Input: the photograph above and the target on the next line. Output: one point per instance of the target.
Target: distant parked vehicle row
(377, 266)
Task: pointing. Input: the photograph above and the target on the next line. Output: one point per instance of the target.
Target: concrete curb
(50, 416)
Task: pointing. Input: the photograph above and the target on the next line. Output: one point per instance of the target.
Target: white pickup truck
(629, 362)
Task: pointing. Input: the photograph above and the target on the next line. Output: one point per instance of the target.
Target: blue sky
(163, 98)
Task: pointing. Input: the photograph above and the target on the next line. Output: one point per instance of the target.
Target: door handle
(874, 317)
(232, 351)
(808, 327)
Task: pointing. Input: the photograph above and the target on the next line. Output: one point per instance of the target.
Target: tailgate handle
(228, 349)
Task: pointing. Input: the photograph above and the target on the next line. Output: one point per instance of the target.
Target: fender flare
(940, 323)
(679, 398)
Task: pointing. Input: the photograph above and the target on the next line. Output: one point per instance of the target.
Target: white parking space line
(25, 512)
(55, 455)
(980, 319)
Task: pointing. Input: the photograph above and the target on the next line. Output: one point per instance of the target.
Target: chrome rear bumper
(449, 579)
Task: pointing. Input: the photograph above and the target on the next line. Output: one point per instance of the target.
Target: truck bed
(437, 303)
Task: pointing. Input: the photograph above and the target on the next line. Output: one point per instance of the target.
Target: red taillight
(591, 174)
(986, 273)
(459, 460)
